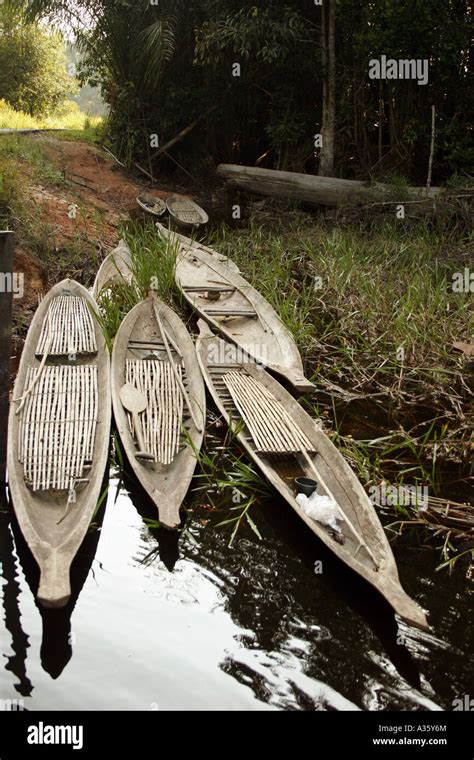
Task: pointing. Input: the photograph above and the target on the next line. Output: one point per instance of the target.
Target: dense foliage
(33, 75)
(163, 66)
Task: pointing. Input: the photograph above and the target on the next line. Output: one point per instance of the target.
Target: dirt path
(104, 193)
(74, 220)
(70, 213)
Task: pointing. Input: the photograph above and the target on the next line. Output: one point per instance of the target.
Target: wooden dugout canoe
(185, 211)
(366, 548)
(58, 435)
(185, 243)
(116, 267)
(240, 313)
(151, 204)
(150, 340)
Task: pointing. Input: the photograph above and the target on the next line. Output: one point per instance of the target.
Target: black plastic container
(306, 486)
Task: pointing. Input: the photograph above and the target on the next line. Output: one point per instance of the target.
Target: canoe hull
(185, 212)
(166, 484)
(185, 244)
(54, 539)
(333, 470)
(240, 314)
(116, 267)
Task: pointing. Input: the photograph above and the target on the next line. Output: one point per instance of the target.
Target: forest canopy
(259, 77)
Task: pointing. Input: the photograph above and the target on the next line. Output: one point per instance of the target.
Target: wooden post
(6, 305)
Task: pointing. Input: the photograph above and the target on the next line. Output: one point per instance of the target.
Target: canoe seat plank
(146, 344)
(272, 452)
(208, 289)
(230, 313)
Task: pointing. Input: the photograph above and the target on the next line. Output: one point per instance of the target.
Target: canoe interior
(152, 204)
(228, 302)
(140, 340)
(186, 211)
(285, 467)
(185, 244)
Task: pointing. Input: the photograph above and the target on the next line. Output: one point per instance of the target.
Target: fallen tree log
(327, 191)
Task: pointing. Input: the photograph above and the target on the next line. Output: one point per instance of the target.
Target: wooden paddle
(135, 402)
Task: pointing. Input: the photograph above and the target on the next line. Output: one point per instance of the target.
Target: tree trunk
(391, 111)
(381, 110)
(328, 44)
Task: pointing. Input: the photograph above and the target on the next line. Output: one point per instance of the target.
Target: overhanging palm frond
(155, 47)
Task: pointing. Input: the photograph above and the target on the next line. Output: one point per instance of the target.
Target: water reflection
(56, 641)
(348, 590)
(271, 590)
(166, 620)
(166, 542)
(15, 663)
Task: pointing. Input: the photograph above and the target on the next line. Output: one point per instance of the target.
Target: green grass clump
(154, 262)
(373, 311)
(153, 266)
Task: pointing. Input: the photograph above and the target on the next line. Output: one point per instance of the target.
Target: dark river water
(163, 621)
